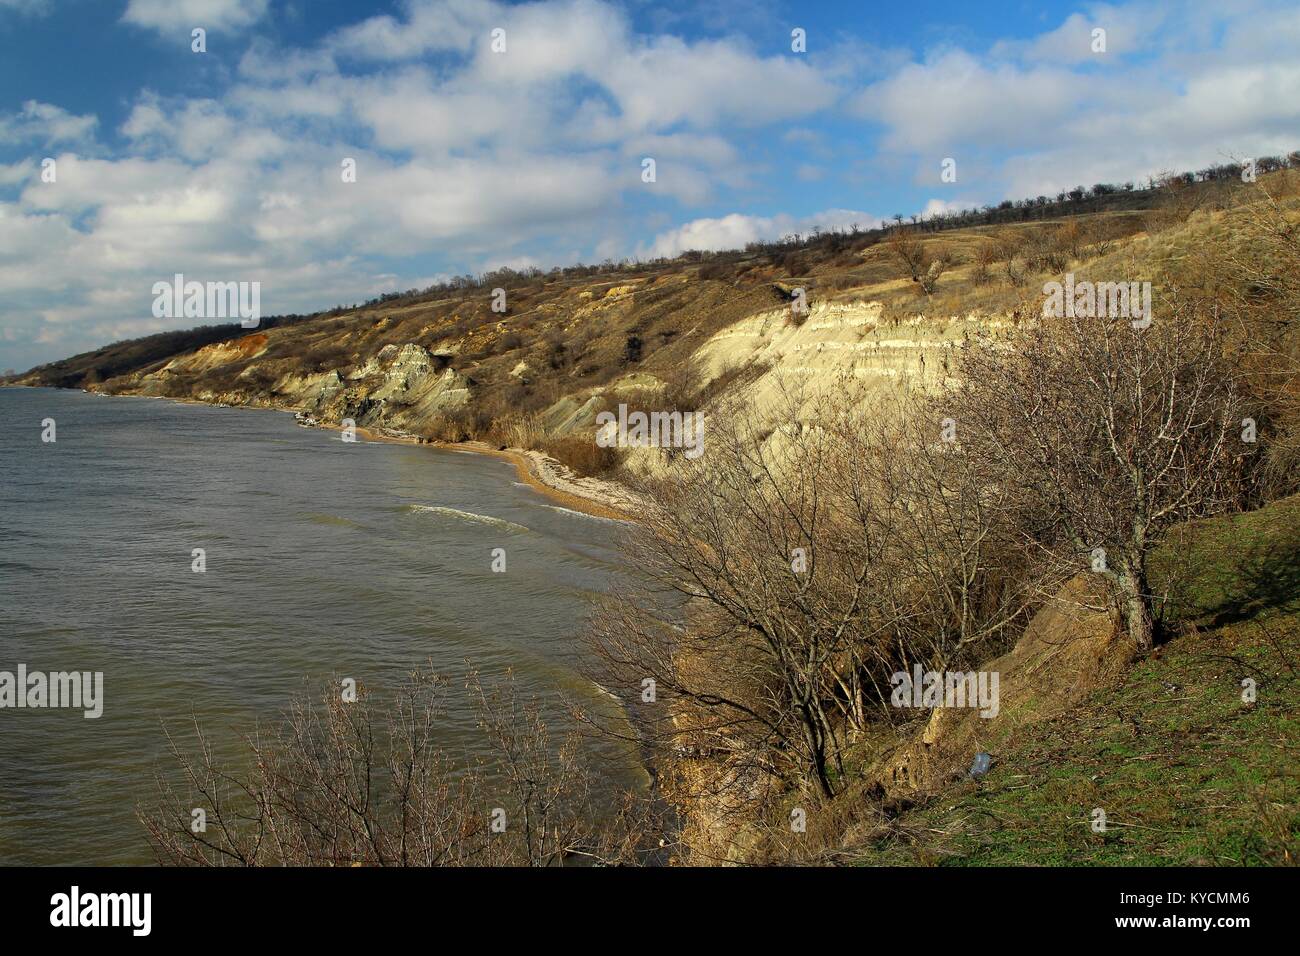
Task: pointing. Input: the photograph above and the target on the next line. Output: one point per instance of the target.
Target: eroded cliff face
(399, 386)
(1071, 648)
(408, 387)
(835, 350)
(837, 339)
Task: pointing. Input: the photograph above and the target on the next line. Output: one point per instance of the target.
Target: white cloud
(46, 124)
(735, 231)
(941, 207)
(651, 84)
(1036, 116)
(727, 232)
(1135, 28)
(954, 98)
(14, 173)
(440, 25)
(167, 16)
(466, 156)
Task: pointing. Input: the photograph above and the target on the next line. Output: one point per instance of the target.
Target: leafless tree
(364, 783)
(1101, 435)
(1180, 197)
(1047, 251)
(739, 666)
(803, 566)
(937, 267)
(904, 245)
(956, 585)
(986, 256)
(1070, 238)
(1009, 245)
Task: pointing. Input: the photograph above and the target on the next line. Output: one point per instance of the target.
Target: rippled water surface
(323, 559)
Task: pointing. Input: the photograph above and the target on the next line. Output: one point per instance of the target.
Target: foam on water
(468, 516)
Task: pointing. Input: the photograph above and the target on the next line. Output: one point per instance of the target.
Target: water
(323, 559)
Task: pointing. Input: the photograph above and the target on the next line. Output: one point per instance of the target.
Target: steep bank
(1191, 753)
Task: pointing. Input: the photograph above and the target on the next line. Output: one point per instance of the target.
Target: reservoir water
(323, 559)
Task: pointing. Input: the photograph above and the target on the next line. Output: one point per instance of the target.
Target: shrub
(718, 270)
(582, 454)
(367, 783)
(1102, 435)
(632, 349)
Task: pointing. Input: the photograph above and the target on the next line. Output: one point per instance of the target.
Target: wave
(583, 514)
(467, 516)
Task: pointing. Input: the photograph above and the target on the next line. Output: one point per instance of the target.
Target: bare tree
(1070, 238)
(1102, 435)
(803, 566)
(739, 667)
(937, 267)
(1009, 246)
(955, 586)
(910, 251)
(363, 783)
(1180, 197)
(986, 256)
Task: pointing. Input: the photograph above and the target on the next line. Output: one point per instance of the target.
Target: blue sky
(225, 165)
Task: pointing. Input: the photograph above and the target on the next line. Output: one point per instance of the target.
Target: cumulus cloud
(466, 157)
(428, 27)
(736, 230)
(941, 207)
(955, 98)
(1047, 113)
(46, 124)
(167, 16)
(1123, 30)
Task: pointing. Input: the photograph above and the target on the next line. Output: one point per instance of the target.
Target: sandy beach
(592, 496)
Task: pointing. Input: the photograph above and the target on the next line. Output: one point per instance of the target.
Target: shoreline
(535, 469)
(596, 504)
(531, 467)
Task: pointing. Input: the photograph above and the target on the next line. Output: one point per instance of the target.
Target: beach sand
(591, 496)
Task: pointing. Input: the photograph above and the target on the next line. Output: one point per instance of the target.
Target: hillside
(1187, 771)
(673, 333)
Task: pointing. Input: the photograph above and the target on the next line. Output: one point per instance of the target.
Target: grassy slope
(1186, 772)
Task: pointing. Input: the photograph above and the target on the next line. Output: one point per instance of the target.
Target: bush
(719, 270)
(632, 349)
(582, 454)
(366, 783)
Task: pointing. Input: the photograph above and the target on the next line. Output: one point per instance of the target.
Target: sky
(227, 165)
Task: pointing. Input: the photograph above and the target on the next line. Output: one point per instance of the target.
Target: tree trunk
(1135, 610)
(817, 745)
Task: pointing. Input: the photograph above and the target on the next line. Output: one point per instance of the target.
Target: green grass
(1233, 568)
(1185, 770)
